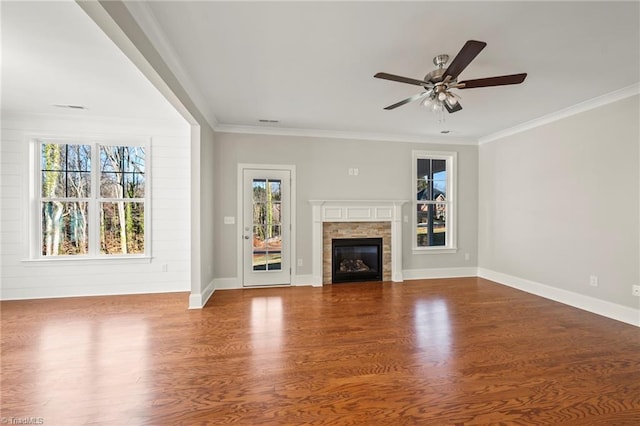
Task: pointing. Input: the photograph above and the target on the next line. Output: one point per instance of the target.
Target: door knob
(246, 237)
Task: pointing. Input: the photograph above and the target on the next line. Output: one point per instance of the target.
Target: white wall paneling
(170, 203)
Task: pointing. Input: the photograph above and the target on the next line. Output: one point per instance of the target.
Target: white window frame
(35, 200)
(451, 159)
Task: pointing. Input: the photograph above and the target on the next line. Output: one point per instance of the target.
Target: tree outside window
(88, 209)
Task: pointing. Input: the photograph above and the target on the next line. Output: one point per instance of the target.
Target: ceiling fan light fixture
(427, 102)
(451, 100)
(438, 110)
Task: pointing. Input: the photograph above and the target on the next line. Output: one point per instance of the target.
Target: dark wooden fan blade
(493, 81)
(400, 79)
(406, 101)
(468, 52)
(457, 107)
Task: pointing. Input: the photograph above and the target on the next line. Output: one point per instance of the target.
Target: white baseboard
(197, 301)
(30, 293)
(233, 283)
(302, 280)
(421, 274)
(316, 280)
(580, 301)
(229, 283)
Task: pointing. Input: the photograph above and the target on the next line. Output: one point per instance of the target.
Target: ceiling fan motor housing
(435, 76)
(441, 60)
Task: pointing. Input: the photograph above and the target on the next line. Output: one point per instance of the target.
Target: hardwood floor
(436, 352)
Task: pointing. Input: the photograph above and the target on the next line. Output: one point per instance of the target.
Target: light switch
(229, 220)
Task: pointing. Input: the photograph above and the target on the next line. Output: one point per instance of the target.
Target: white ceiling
(311, 64)
(54, 54)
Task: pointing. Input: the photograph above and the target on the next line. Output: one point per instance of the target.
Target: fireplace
(356, 259)
(356, 219)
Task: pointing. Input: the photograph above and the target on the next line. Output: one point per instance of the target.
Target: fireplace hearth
(356, 259)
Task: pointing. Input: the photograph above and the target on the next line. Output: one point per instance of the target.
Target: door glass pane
(274, 261)
(259, 213)
(259, 261)
(267, 228)
(274, 237)
(259, 236)
(259, 190)
(275, 187)
(275, 216)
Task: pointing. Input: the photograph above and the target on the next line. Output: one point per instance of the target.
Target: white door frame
(240, 212)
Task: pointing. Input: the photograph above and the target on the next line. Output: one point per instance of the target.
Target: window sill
(67, 260)
(433, 250)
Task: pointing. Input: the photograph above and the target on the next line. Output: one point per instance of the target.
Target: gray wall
(322, 173)
(560, 202)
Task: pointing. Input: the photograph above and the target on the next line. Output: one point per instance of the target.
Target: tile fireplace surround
(346, 211)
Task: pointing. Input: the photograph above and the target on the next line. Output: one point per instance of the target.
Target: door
(266, 227)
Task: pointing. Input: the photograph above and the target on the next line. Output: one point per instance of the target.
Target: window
(434, 203)
(92, 199)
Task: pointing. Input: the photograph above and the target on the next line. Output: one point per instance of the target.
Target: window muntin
(88, 210)
(434, 202)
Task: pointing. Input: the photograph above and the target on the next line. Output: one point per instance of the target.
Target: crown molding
(599, 101)
(147, 21)
(333, 134)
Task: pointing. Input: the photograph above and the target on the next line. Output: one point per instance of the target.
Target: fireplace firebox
(356, 259)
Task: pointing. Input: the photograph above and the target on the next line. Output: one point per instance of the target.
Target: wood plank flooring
(435, 352)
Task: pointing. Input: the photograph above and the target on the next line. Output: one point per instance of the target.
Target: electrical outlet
(165, 267)
(635, 290)
(299, 262)
(593, 281)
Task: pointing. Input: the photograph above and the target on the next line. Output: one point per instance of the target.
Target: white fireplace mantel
(357, 211)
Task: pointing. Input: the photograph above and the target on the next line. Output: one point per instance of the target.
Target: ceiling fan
(438, 84)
